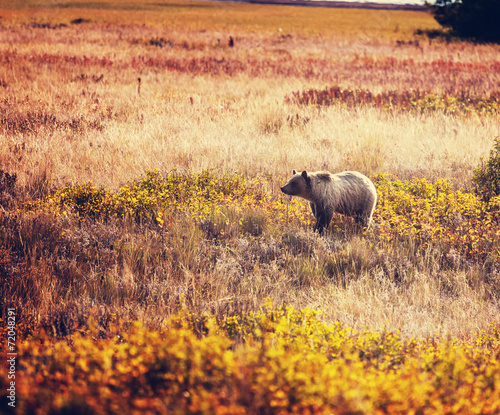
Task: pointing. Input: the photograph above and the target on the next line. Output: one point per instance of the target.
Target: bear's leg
(316, 214)
(323, 218)
(362, 220)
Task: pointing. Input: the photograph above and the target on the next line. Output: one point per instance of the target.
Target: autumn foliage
(278, 360)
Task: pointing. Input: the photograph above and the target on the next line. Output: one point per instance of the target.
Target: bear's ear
(294, 172)
(304, 174)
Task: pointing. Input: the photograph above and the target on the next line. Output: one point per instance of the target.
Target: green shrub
(487, 176)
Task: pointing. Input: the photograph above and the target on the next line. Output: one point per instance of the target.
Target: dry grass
(74, 110)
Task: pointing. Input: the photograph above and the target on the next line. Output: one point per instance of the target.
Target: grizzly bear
(349, 193)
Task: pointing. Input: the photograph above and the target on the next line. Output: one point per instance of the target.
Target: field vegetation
(154, 266)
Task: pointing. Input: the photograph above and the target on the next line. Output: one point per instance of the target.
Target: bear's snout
(289, 189)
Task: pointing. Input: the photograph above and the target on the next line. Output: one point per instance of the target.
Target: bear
(349, 193)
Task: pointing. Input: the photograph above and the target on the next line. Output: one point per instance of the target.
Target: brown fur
(349, 193)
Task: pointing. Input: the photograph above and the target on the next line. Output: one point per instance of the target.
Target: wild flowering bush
(411, 100)
(156, 198)
(427, 214)
(436, 214)
(487, 175)
(278, 360)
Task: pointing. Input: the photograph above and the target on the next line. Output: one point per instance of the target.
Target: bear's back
(350, 192)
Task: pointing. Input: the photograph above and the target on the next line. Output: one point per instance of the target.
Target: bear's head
(298, 185)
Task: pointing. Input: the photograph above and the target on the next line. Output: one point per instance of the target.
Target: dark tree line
(475, 19)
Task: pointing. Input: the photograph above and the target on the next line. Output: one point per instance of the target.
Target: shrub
(436, 215)
(275, 361)
(156, 198)
(425, 213)
(487, 176)
(403, 101)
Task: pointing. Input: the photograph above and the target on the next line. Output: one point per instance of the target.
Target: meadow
(148, 258)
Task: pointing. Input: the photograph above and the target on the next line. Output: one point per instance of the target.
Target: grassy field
(143, 147)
